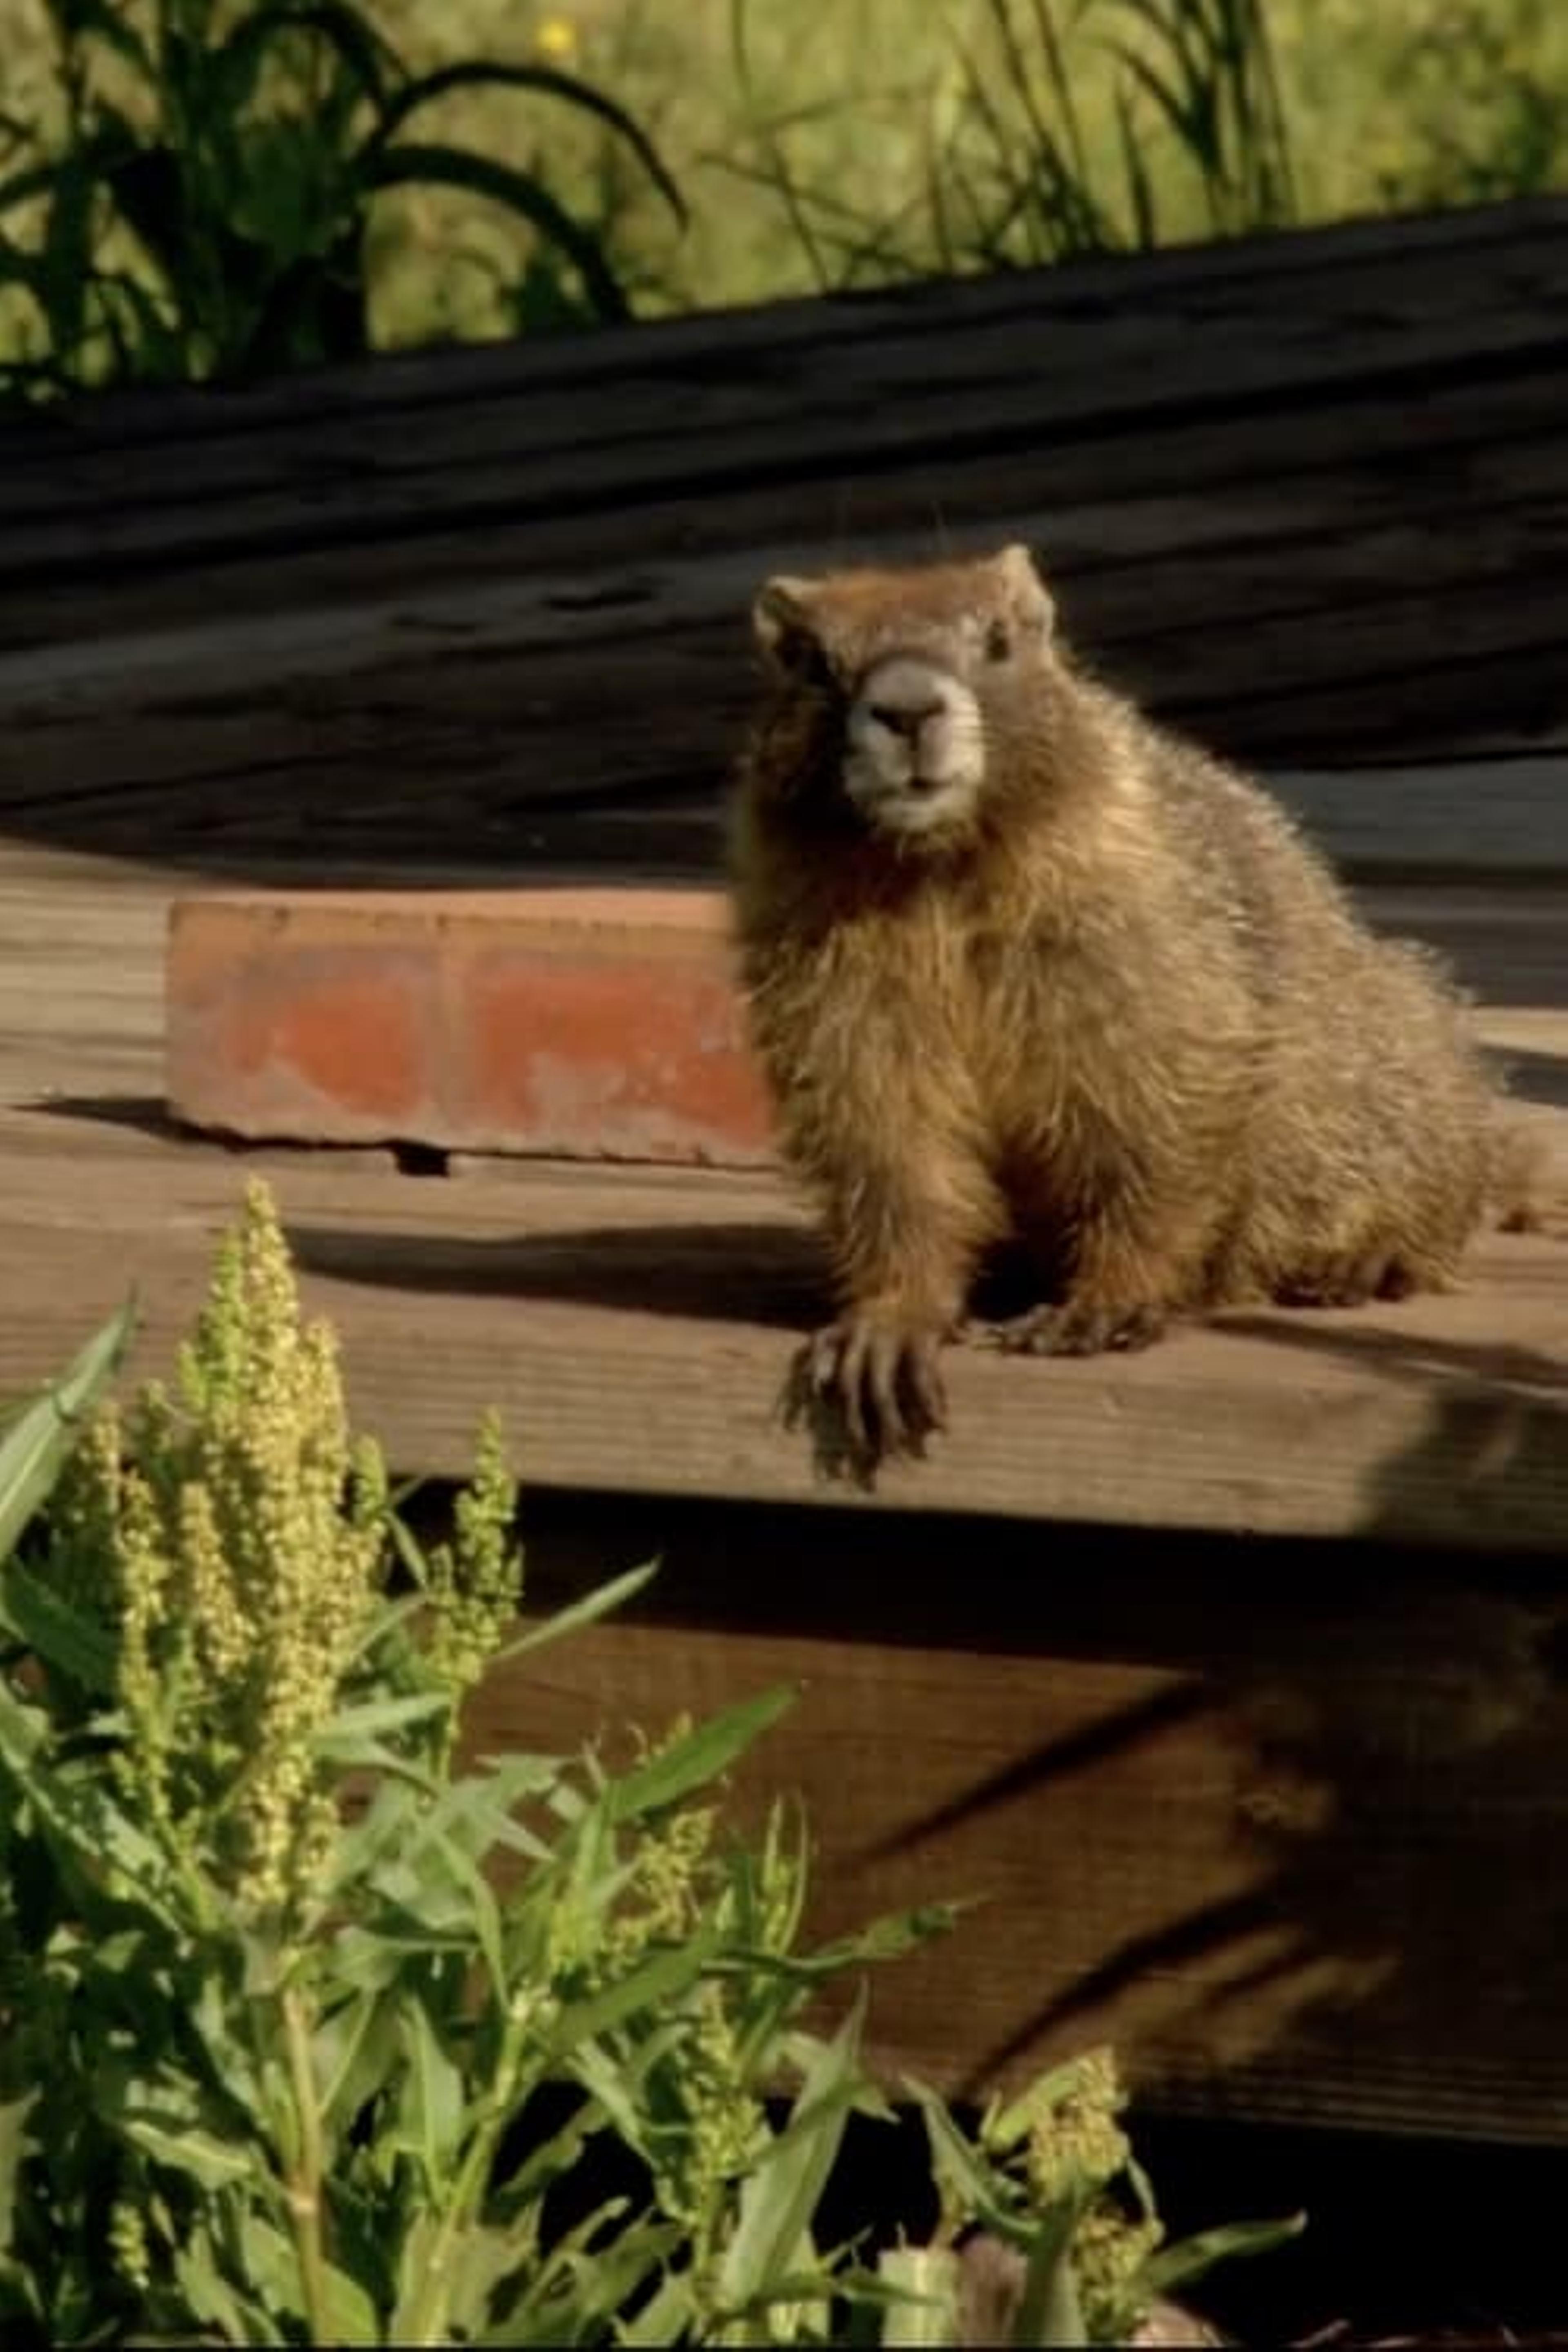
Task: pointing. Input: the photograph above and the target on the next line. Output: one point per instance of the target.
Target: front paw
(875, 1374)
(1077, 1329)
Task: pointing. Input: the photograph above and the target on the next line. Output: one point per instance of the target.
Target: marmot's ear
(1026, 592)
(782, 611)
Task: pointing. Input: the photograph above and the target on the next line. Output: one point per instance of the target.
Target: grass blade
(37, 1443)
(408, 164)
(551, 83)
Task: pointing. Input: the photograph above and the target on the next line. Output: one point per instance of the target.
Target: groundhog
(1022, 969)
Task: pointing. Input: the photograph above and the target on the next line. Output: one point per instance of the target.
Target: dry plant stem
(304, 2184)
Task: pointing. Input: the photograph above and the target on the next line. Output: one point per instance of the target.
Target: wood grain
(1242, 1811)
(1266, 1801)
(1239, 1804)
(1308, 496)
(635, 1328)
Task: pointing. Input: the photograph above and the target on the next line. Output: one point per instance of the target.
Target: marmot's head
(906, 684)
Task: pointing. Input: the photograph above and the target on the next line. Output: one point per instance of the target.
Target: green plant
(1057, 127)
(1481, 122)
(309, 2038)
(1191, 112)
(1051, 2179)
(202, 206)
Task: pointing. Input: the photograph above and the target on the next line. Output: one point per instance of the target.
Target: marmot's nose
(905, 718)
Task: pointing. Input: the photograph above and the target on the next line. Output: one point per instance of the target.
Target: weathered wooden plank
(1428, 444)
(1237, 1810)
(1523, 236)
(1350, 529)
(718, 439)
(592, 1306)
(266, 749)
(1267, 633)
(1095, 327)
(636, 1334)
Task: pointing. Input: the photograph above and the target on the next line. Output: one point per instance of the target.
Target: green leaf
(700, 1756)
(1178, 2265)
(668, 2318)
(612, 2082)
(214, 2301)
(64, 1636)
(886, 1938)
(101, 20)
(353, 2315)
(579, 2291)
(649, 1986)
(484, 1912)
(981, 2193)
(431, 2106)
(339, 2041)
(365, 2062)
(475, 1814)
(552, 83)
(354, 41)
(268, 2261)
(578, 1613)
(408, 166)
(214, 2163)
(350, 1735)
(14, 2141)
(783, 2188)
(37, 1443)
(23, 187)
(76, 1810)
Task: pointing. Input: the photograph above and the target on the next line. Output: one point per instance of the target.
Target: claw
(926, 1381)
(879, 1374)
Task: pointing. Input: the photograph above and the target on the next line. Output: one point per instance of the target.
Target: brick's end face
(596, 1024)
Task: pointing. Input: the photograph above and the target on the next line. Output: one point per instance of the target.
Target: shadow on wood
(771, 1275)
(1274, 1819)
(1496, 1426)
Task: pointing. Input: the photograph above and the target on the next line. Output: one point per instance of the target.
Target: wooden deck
(479, 616)
(635, 1324)
(1308, 496)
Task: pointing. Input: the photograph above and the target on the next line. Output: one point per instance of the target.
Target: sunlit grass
(822, 145)
(822, 153)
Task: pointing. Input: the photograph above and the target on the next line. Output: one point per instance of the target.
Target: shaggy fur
(1022, 968)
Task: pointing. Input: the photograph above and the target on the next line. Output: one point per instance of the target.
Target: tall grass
(1089, 124)
(200, 203)
(822, 145)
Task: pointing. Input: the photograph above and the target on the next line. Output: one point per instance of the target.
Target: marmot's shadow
(771, 1273)
(768, 1274)
(774, 1274)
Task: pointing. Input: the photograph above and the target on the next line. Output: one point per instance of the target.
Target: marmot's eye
(802, 653)
(998, 641)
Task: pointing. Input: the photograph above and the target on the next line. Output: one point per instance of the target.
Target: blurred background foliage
(672, 154)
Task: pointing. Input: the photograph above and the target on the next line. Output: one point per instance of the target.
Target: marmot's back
(1375, 1124)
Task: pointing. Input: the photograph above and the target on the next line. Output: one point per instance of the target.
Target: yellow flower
(556, 39)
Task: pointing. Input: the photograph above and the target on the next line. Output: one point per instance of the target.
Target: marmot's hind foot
(1349, 1282)
(1077, 1329)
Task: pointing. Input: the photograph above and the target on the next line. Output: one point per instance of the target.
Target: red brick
(588, 1023)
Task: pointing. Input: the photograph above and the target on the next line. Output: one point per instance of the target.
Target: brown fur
(1120, 1013)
